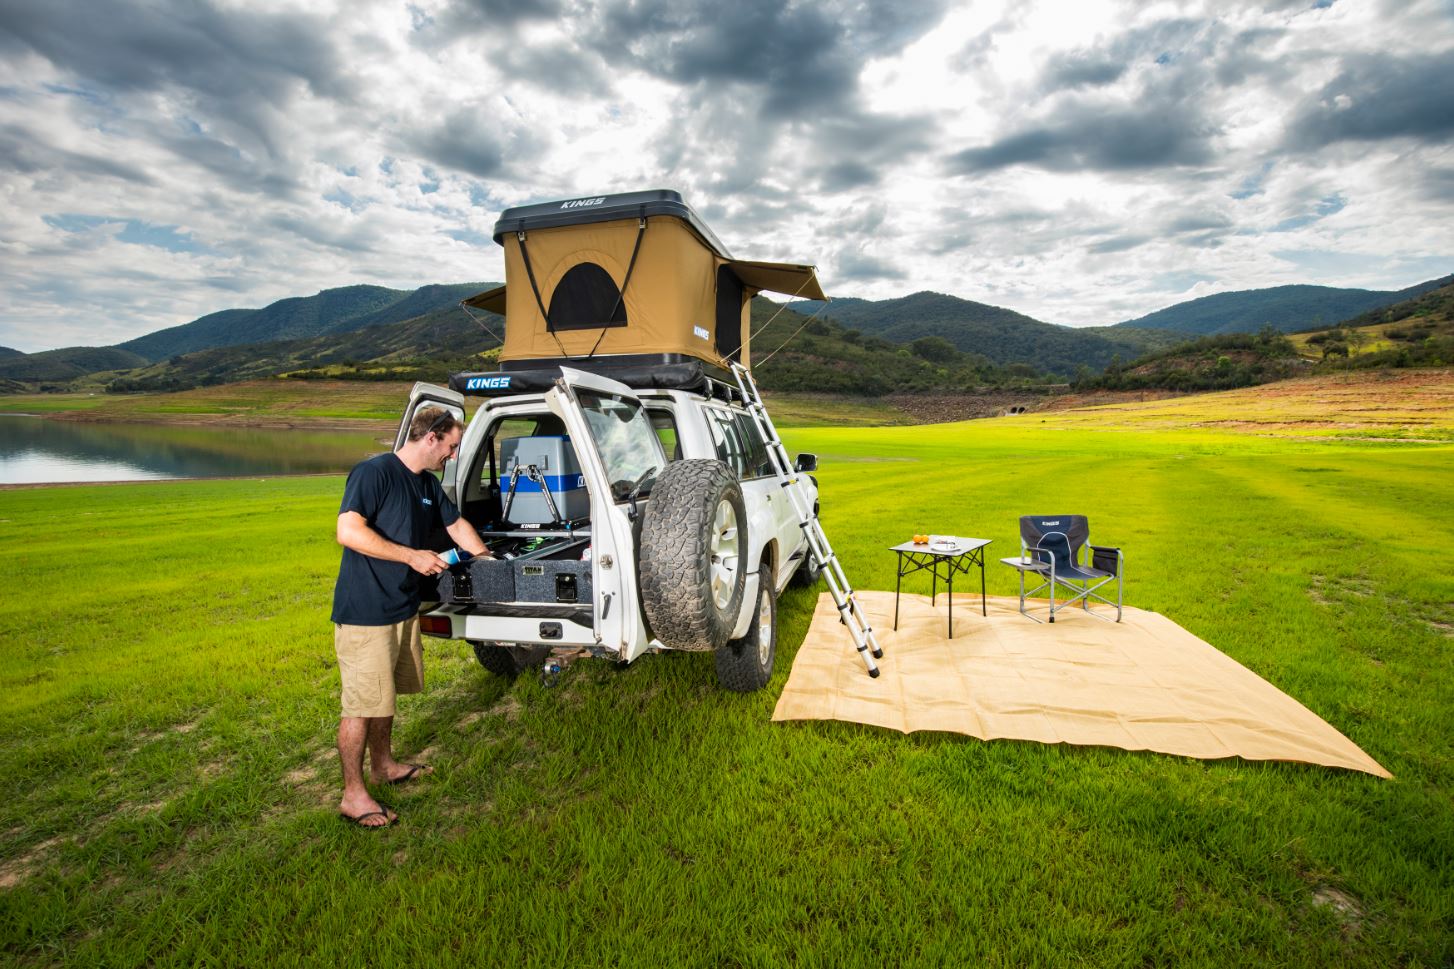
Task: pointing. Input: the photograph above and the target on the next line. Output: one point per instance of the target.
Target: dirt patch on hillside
(943, 408)
(1102, 398)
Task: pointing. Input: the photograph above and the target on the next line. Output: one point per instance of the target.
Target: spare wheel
(693, 550)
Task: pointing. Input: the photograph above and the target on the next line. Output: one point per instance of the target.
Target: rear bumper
(527, 623)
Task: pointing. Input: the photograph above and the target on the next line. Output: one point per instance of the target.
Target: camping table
(941, 557)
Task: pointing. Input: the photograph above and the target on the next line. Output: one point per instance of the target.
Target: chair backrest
(1062, 535)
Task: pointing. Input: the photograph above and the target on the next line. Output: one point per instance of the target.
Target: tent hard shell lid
(635, 275)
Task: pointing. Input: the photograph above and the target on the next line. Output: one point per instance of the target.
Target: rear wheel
(808, 573)
(509, 660)
(745, 664)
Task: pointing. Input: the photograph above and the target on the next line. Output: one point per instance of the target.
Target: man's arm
(467, 538)
(354, 532)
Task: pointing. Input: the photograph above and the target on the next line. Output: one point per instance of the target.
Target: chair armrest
(1048, 560)
(1106, 558)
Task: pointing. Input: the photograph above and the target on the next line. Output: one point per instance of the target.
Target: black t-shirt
(403, 507)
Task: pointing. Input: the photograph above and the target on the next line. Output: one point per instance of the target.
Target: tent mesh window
(729, 313)
(584, 299)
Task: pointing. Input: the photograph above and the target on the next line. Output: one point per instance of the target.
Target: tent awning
(800, 282)
(492, 300)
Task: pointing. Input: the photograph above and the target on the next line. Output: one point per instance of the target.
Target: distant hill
(924, 342)
(330, 311)
(1001, 335)
(1416, 332)
(825, 356)
(1432, 305)
(822, 356)
(427, 347)
(67, 363)
(1285, 308)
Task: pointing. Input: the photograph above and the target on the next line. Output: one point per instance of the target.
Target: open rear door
(619, 454)
(432, 395)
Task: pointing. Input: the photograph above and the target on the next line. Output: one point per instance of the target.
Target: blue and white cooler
(556, 460)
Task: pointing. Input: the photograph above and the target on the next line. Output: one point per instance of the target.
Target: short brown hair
(436, 419)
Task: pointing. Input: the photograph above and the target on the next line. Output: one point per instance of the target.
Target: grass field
(169, 698)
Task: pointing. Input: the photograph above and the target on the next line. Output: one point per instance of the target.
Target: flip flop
(358, 819)
(415, 770)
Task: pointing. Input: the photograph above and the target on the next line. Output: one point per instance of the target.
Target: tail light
(436, 626)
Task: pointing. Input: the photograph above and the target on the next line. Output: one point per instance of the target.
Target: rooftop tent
(634, 275)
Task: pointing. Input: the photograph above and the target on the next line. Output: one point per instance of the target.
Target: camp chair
(1054, 543)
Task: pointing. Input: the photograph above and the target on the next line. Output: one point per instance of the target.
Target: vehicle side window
(731, 448)
(758, 463)
(665, 426)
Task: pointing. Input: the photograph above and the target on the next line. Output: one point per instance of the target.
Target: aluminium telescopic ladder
(789, 478)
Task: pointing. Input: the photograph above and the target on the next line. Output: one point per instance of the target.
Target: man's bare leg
(357, 801)
(382, 764)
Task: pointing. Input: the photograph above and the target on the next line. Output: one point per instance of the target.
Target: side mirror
(806, 462)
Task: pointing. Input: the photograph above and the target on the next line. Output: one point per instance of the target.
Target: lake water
(38, 451)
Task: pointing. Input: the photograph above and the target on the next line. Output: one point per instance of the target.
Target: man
(391, 504)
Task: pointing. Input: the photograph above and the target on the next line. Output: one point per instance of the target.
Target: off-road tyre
(693, 554)
(745, 664)
(807, 574)
(509, 660)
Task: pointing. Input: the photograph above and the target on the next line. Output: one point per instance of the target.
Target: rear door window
(624, 439)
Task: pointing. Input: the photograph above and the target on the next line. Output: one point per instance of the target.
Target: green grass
(49, 403)
(169, 699)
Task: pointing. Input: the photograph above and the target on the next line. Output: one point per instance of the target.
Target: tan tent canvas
(630, 276)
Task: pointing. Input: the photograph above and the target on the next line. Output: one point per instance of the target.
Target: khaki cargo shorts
(376, 663)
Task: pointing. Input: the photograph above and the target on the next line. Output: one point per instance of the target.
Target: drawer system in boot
(553, 581)
(478, 580)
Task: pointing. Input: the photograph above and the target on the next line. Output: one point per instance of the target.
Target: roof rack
(639, 371)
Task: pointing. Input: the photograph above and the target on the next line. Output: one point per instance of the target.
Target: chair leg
(1052, 591)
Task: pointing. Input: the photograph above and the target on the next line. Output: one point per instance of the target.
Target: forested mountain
(66, 364)
(427, 347)
(1003, 336)
(1285, 308)
(1432, 306)
(330, 311)
(922, 342)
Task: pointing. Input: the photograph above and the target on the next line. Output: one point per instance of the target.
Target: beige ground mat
(1142, 684)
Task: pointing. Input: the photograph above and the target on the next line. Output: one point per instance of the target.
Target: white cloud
(1081, 164)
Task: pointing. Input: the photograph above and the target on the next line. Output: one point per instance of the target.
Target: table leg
(984, 609)
(949, 581)
(898, 580)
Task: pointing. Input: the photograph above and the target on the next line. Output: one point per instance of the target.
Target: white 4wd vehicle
(622, 520)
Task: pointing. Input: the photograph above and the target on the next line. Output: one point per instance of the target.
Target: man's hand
(425, 563)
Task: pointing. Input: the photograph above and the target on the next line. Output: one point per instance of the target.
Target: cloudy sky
(1083, 162)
